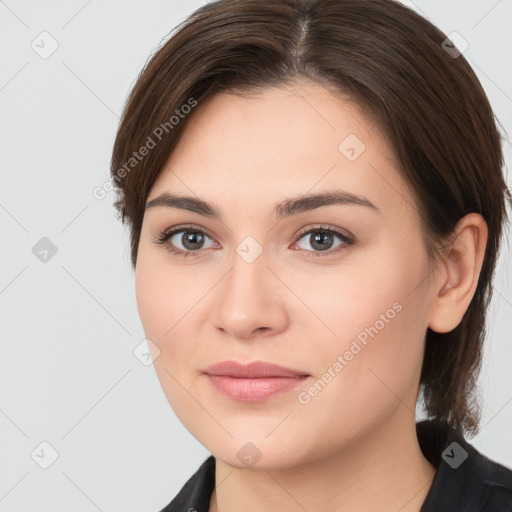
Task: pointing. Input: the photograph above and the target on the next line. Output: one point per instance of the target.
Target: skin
(354, 445)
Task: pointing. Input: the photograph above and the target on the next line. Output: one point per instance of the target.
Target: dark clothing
(465, 479)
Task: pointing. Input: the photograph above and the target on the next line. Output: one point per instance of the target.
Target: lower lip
(254, 390)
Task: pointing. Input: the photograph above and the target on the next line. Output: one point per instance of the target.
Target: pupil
(319, 238)
(193, 238)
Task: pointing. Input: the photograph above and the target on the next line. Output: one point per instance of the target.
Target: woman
(316, 199)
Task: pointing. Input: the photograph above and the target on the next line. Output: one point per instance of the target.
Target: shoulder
(495, 481)
(466, 480)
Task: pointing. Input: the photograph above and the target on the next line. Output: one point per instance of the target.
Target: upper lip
(256, 369)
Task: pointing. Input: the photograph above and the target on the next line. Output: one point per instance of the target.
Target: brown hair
(397, 67)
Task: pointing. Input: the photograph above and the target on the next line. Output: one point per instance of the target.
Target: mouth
(253, 382)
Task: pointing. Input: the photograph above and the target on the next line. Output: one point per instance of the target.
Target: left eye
(323, 239)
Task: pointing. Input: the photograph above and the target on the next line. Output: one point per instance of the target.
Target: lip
(254, 370)
(253, 382)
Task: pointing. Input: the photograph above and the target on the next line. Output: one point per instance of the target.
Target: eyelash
(164, 236)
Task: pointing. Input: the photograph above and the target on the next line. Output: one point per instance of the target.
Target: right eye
(190, 238)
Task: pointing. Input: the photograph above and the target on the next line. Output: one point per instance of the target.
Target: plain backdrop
(75, 392)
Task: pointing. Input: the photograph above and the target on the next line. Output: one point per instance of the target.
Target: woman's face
(349, 313)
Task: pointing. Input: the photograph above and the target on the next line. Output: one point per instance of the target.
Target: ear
(460, 269)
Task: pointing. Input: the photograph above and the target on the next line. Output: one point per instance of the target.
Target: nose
(250, 301)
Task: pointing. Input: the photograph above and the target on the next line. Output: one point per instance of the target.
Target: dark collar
(465, 479)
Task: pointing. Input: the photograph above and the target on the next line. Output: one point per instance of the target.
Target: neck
(383, 471)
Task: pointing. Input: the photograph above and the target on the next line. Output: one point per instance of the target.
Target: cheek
(346, 300)
(168, 302)
(162, 309)
(151, 307)
(159, 292)
(379, 321)
(364, 377)
(159, 301)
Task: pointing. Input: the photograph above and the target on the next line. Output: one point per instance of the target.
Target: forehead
(280, 142)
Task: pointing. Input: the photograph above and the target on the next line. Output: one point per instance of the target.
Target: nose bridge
(247, 299)
(247, 284)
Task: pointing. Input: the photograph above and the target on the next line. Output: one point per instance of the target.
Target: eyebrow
(286, 208)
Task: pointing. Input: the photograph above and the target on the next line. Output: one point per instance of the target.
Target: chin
(259, 455)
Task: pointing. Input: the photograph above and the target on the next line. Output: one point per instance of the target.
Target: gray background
(69, 326)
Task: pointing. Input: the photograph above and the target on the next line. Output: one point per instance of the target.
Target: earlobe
(454, 289)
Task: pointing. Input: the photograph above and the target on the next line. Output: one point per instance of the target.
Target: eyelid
(325, 227)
